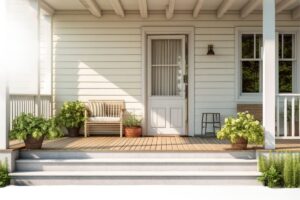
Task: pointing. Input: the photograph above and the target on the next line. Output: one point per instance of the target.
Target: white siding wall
(101, 58)
(22, 48)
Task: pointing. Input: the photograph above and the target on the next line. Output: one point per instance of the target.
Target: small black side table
(212, 119)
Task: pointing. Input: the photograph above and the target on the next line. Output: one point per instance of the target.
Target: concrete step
(137, 164)
(78, 154)
(135, 177)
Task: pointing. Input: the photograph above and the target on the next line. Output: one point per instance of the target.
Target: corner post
(4, 92)
(4, 114)
(269, 81)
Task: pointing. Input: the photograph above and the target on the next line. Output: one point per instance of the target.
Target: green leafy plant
(72, 114)
(29, 125)
(271, 177)
(132, 121)
(280, 170)
(4, 176)
(244, 126)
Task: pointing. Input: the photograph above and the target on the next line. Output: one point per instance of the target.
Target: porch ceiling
(245, 7)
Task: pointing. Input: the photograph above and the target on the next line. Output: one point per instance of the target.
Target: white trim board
(191, 61)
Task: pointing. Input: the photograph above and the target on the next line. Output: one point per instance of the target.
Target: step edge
(135, 174)
(159, 160)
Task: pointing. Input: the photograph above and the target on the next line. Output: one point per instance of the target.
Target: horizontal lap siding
(102, 58)
(97, 63)
(214, 75)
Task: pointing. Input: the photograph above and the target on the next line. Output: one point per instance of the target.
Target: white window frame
(257, 97)
(293, 60)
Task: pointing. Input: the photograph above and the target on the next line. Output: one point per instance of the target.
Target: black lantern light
(210, 50)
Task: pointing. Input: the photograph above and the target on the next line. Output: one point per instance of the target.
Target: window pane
(247, 46)
(250, 76)
(258, 45)
(280, 46)
(288, 46)
(285, 76)
(166, 77)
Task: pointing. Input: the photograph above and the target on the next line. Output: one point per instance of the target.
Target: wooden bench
(104, 115)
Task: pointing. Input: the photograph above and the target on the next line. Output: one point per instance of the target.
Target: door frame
(189, 31)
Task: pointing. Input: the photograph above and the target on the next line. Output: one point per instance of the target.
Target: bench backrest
(105, 108)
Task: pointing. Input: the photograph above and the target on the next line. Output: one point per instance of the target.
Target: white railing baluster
(285, 117)
(278, 117)
(291, 127)
(27, 104)
(293, 117)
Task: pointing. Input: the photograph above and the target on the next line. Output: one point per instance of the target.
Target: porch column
(4, 113)
(4, 97)
(269, 17)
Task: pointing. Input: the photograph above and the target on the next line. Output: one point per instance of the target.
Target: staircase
(40, 167)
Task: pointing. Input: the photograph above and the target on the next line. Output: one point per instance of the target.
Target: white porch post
(269, 95)
(4, 113)
(4, 97)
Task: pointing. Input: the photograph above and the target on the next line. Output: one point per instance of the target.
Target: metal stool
(215, 123)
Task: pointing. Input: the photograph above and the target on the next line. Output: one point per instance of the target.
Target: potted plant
(132, 126)
(72, 117)
(33, 130)
(242, 130)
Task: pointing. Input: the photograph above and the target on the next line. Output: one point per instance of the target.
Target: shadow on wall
(91, 70)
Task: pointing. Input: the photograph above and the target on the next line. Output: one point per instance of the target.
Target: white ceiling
(187, 5)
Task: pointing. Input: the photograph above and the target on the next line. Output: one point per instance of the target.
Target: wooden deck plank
(174, 144)
(170, 144)
(128, 144)
(135, 146)
(149, 143)
(153, 144)
(119, 145)
(164, 143)
(144, 145)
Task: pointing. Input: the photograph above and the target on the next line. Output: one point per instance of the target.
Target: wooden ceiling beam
(92, 6)
(284, 4)
(197, 8)
(296, 13)
(117, 6)
(143, 8)
(170, 9)
(224, 7)
(249, 8)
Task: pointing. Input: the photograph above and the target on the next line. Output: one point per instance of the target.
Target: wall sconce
(210, 50)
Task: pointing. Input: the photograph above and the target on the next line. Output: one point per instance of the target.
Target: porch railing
(28, 103)
(287, 116)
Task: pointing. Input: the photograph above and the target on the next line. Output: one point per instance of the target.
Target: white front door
(166, 88)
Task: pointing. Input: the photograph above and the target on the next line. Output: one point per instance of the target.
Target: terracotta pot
(241, 144)
(133, 131)
(73, 132)
(33, 143)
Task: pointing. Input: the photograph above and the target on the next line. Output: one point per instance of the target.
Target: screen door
(166, 89)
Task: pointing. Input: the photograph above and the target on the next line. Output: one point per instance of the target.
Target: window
(286, 55)
(250, 60)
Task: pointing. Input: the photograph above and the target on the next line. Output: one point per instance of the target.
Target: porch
(98, 50)
(151, 144)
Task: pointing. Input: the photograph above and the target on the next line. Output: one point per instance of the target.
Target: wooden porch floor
(169, 144)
